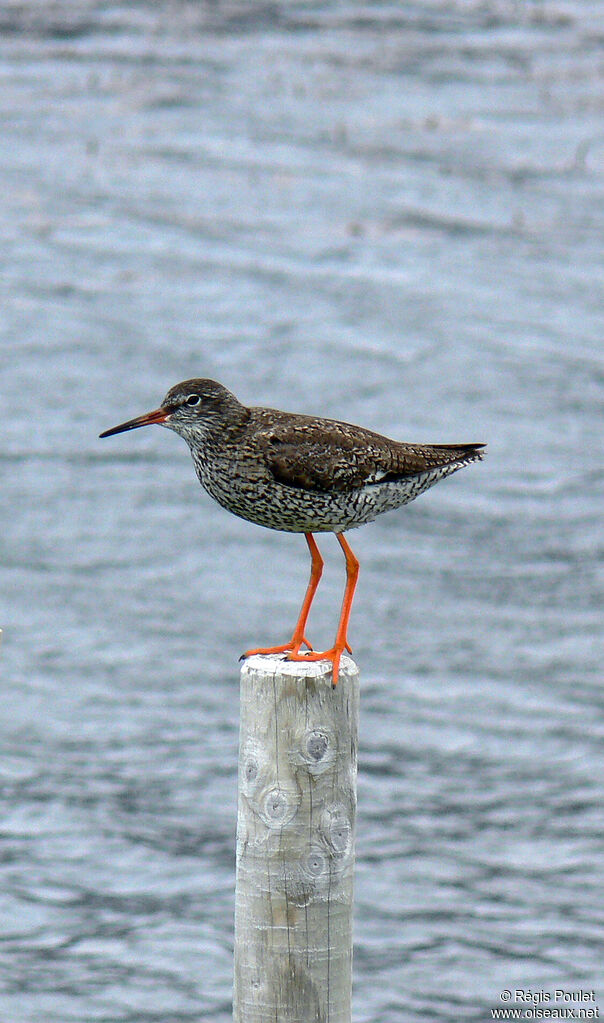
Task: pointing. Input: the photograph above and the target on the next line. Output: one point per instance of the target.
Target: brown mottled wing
(324, 455)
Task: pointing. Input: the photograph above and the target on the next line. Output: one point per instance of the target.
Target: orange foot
(293, 654)
(333, 655)
(292, 647)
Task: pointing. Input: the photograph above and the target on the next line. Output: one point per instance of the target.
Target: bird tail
(464, 453)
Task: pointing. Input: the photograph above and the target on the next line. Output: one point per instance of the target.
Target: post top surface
(278, 664)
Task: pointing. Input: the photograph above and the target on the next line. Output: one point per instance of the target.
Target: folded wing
(324, 455)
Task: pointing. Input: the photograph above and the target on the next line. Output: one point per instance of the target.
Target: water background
(387, 213)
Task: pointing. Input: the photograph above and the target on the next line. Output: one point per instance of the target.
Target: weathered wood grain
(295, 842)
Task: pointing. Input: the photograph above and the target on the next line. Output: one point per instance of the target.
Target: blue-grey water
(384, 212)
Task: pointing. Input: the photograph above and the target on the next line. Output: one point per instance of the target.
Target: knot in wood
(335, 828)
(250, 770)
(316, 864)
(278, 808)
(316, 744)
(315, 749)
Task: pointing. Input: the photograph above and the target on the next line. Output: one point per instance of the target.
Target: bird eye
(193, 399)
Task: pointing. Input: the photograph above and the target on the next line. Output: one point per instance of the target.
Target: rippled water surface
(387, 213)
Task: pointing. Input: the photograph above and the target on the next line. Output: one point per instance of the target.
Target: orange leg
(298, 639)
(341, 643)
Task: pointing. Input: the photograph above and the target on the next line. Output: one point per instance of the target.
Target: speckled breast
(253, 494)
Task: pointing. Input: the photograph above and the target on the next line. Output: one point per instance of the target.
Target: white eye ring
(193, 399)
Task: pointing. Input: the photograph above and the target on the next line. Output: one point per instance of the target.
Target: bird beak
(158, 416)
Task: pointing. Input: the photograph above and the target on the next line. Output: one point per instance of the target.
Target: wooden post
(295, 842)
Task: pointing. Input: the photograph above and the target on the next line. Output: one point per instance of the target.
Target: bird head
(193, 409)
